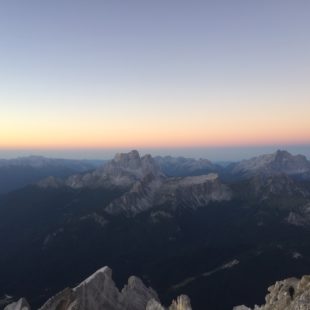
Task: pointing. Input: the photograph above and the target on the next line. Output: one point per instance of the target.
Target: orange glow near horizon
(196, 79)
(175, 125)
(152, 137)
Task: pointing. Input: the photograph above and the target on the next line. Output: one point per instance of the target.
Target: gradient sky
(154, 74)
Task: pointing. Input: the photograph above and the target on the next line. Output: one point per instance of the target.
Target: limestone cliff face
(138, 199)
(21, 304)
(145, 186)
(99, 292)
(191, 192)
(289, 294)
(122, 171)
(181, 303)
(270, 164)
(194, 191)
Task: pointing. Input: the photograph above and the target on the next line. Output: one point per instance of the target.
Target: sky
(80, 76)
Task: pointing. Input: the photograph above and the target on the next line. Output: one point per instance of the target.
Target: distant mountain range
(19, 172)
(183, 226)
(181, 166)
(145, 185)
(271, 164)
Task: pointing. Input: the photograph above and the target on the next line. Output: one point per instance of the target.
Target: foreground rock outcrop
(181, 303)
(289, 294)
(21, 304)
(99, 292)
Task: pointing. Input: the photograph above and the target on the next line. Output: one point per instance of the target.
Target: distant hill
(19, 172)
(270, 164)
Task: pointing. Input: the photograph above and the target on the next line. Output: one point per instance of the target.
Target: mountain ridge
(275, 163)
(99, 291)
(180, 226)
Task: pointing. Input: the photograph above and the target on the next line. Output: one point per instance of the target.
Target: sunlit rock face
(99, 292)
(181, 303)
(21, 304)
(289, 294)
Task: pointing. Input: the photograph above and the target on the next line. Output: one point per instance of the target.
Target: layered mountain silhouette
(19, 172)
(181, 233)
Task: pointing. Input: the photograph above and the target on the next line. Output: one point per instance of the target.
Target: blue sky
(137, 74)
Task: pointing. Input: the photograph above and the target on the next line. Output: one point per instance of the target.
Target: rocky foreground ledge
(99, 292)
(289, 294)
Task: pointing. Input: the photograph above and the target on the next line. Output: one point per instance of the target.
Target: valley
(199, 235)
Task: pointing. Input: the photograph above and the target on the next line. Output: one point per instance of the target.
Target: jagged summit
(181, 166)
(133, 154)
(289, 294)
(99, 292)
(279, 162)
(145, 185)
(132, 163)
(124, 170)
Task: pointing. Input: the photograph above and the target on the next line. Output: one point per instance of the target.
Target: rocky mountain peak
(132, 163)
(289, 294)
(181, 303)
(269, 164)
(99, 292)
(21, 304)
(130, 160)
(282, 155)
(124, 170)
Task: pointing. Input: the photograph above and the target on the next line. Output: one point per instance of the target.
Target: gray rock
(122, 171)
(241, 308)
(100, 292)
(270, 164)
(21, 304)
(145, 186)
(135, 295)
(154, 305)
(181, 303)
(193, 192)
(181, 166)
(289, 294)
